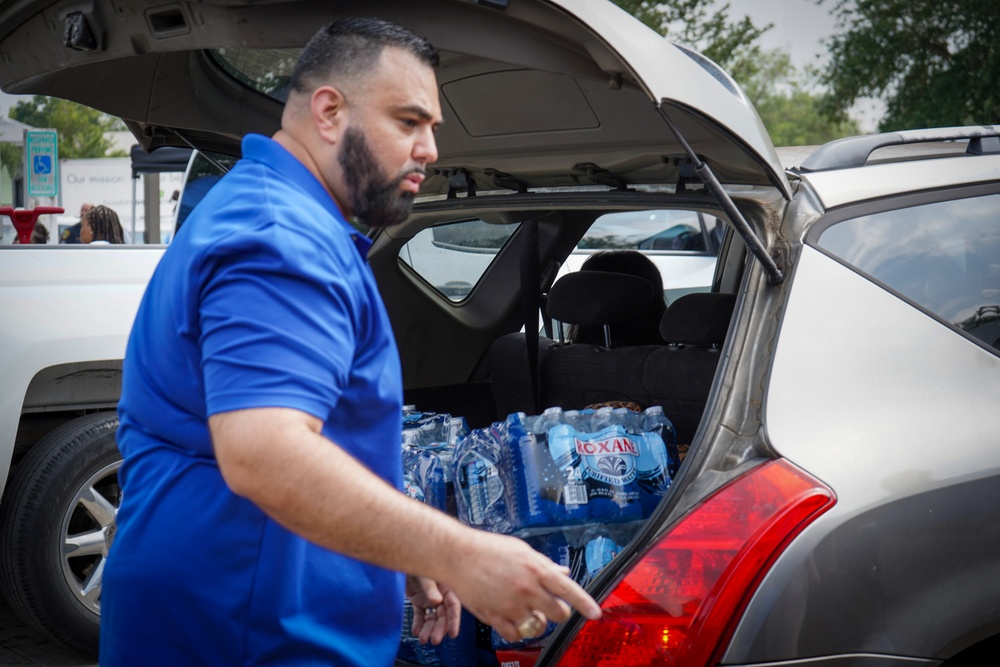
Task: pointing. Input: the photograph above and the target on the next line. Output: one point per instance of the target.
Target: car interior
(605, 334)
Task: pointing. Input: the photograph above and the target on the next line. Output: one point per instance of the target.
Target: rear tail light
(678, 605)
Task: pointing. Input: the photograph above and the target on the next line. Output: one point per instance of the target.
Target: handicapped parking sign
(41, 153)
(42, 164)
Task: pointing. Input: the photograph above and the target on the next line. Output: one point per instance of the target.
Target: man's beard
(375, 200)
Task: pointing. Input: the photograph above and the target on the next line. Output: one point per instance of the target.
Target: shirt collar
(273, 155)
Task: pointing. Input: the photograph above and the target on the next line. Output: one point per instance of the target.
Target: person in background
(72, 233)
(101, 225)
(40, 234)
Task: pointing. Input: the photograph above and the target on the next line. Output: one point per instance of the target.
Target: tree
(81, 129)
(934, 62)
(792, 114)
(733, 45)
(10, 158)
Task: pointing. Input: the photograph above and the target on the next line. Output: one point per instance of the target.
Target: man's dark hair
(353, 45)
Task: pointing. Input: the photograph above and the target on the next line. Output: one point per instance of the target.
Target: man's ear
(329, 113)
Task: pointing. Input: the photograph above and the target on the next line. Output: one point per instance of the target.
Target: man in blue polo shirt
(261, 519)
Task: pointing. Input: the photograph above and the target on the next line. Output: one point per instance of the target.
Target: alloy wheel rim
(88, 529)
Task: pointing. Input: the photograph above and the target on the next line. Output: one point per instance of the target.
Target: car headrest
(701, 318)
(596, 298)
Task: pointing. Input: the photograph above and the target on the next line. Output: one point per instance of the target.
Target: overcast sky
(799, 26)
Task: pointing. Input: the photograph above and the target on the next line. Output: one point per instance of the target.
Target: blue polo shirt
(265, 300)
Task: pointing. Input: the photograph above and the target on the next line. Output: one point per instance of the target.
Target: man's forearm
(278, 459)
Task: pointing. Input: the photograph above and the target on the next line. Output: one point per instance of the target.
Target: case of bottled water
(424, 477)
(429, 441)
(530, 474)
(574, 484)
(480, 491)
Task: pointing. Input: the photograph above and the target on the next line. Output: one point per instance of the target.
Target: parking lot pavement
(20, 645)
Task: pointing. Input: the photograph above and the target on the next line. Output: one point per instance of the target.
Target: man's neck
(300, 152)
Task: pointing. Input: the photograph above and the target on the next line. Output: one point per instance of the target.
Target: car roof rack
(855, 151)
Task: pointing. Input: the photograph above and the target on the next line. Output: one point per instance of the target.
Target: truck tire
(57, 521)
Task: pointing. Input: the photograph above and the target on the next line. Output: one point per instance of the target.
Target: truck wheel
(57, 521)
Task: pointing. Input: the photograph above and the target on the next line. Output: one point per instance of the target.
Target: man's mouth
(411, 182)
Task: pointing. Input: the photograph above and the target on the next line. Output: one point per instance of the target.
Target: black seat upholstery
(509, 375)
(590, 300)
(641, 325)
(600, 300)
(677, 373)
(679, 376)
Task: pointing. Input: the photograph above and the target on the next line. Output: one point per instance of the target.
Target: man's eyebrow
(419, 111)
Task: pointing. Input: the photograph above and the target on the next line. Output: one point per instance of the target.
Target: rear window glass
(683, 244)
(453, 257)
(267, 71)
(673, 230)
(944, 257)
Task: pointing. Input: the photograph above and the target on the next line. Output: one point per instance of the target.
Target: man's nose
(425, 150)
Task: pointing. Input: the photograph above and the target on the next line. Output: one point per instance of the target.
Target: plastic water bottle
(598, 553)
(543, 473)
(655, 421)
(423, 477)
(609, 458)
(479, 489)
(655, 468)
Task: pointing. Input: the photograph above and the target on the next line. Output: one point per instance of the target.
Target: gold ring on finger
(532, 626)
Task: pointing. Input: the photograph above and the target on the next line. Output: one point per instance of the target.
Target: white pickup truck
(65, 315)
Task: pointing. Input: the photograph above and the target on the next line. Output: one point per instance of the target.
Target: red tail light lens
(677, 605)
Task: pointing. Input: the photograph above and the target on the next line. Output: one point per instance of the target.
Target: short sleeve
(277, 328)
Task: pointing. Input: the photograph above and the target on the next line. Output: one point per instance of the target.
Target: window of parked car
(453, 257)
(674, 230)
(683, 244)
(942, 256)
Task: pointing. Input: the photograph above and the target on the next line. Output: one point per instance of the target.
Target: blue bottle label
(609, 456)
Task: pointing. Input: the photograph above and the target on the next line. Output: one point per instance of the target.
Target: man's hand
(506, 583)
(436, 610)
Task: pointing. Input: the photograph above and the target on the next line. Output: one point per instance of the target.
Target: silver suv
(835, 391)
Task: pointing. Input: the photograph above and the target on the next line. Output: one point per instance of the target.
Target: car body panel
(912, 541)
(49, 319)
(837, 188)
(693, 91)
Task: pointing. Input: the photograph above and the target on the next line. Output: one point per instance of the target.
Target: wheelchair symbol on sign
(42, 164)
